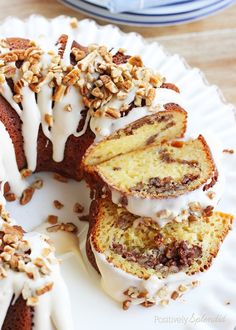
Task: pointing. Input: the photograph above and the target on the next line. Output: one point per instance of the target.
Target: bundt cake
(68, 103)
(140, 262)
(32, 291)
(169, 181)
(54, 103)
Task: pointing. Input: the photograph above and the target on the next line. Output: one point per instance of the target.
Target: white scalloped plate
(210, 306)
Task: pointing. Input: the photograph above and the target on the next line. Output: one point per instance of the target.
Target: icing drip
(44, 97)
(65, 122)
(31, 120)
(53, 311)
(52, 307)
(45, 105)
(8, 167)
(67, 51)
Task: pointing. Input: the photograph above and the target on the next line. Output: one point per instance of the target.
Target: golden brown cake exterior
(19, 316)
(11, 121)
(93, 213)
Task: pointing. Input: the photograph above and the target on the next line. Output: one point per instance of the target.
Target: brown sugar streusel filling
(165, 258)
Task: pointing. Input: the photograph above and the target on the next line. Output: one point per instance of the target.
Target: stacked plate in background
(149, 12)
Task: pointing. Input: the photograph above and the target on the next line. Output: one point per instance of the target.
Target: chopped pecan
(25, 173)
(58, 205)
(46, 288)
(126, 304)
(136, 61)
(84, 218)
(27, 195)
(74, 23)
(52, 219)
(60, 178)
(10, 197)
(174, 295)
(78, 208)
(37, 184)
(148, 303)
(208, 211)
(228, 151)
(123, 201)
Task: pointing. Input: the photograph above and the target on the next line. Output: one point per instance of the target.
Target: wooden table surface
(209, 44)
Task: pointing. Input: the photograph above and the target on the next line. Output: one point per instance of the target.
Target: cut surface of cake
(153, 128)
(161, 181)
(134, 253)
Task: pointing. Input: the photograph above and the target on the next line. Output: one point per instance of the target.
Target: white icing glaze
(44, 97)
(31, 120)
(66, 54)
(147, 207)
(8, 167)
(65, 123)
(53, 307)
(115, 281)
(103, 126)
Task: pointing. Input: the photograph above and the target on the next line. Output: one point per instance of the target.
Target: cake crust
(19, 316)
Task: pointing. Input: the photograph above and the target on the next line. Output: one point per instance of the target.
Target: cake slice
(142, 263)
(155, 127)
(175, 178)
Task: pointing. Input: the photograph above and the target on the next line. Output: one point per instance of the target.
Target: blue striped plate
(151, 16)
(158, 6)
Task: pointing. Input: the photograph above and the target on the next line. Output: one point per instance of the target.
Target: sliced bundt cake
(161, 181)
(153, 128)
(32, 292)
(142, 263)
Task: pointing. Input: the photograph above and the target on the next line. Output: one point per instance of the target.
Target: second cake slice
(165, 182)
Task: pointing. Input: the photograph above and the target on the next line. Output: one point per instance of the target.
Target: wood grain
(209, 44)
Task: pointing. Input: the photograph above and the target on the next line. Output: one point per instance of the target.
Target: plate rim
(127, 21)
(137, 35)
